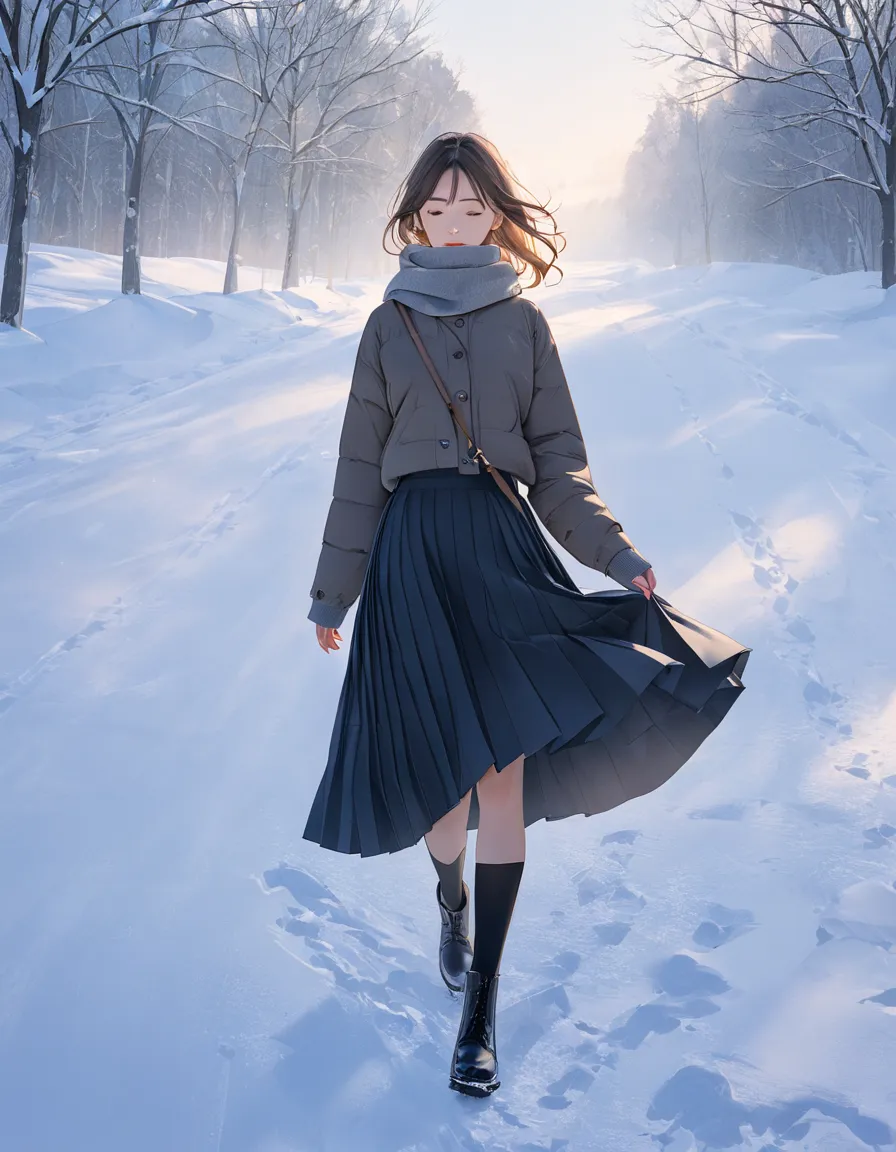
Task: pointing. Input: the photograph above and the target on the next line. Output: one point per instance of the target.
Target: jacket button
(458, 323)
(465, 460)
(458, 355)
(460, 395)
(445, 443)
(319, 593)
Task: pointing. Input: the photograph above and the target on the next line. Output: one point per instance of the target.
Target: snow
(711, 966)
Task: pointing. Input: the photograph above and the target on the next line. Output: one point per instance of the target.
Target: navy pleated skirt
(472, 645)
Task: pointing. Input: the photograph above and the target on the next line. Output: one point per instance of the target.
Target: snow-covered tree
(833, 63)
(42, 43)
(327, 108)
(134, 73)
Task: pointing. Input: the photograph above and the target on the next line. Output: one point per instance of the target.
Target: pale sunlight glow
(558, 89)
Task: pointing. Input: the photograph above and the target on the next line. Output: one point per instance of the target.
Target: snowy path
(713, 966)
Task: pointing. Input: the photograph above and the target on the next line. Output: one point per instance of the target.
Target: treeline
(704, 184)
(271, 133)
(779, 144)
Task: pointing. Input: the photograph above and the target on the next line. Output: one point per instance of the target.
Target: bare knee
(456, 815)
(497, 789)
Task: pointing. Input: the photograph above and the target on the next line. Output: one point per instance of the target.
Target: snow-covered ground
(712, 966)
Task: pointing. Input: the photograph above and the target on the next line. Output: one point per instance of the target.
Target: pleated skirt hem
(472, 646)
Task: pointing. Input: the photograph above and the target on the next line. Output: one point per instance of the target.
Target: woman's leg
(502, 835)
(500, 852)
(500, 855)
(447, 844)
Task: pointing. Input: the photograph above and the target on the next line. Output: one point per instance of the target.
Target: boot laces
(455, 919)
(479, 1014)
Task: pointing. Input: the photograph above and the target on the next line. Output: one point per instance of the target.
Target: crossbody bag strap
(478, 454)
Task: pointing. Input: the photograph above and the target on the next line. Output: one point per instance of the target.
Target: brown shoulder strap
(433, 371)
(421, 348)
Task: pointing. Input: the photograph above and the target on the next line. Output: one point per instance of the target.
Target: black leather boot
(455, 949)
(474, 1066)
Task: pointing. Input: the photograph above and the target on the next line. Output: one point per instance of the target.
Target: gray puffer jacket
(501, 368)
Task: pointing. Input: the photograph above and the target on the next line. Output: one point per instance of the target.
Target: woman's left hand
(646, 582)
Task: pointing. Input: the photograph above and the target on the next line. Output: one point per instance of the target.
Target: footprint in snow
(615, 895)
(366, 962)
(616, 899)
(524, 1022)
(823, 703)
(887, 998)
(684, 989)
(879, 837)
(727, 472)
(722, 925)
(612, 933)
(701, 1102)
(864, 911)
(857, 766)
(625, 838)
(574, 1079)
(657, 1018)
(562, 966)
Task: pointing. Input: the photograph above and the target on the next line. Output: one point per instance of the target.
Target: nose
(453, 231)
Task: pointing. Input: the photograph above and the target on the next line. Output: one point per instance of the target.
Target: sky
(560, 91)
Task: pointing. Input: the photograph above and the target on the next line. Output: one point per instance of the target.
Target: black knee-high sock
(494, 895)
(451, 880)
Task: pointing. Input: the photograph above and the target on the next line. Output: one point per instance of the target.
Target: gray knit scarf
(446, 281)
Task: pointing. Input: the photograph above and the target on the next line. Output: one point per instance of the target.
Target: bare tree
(705, 171)
(324, 107)
(42, 42)
(133, 73)
(286, 57)
(833, 60)
(265, 46)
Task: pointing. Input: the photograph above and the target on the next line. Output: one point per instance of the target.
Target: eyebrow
(463, 198)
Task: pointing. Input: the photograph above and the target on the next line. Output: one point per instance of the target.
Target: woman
(483, 688)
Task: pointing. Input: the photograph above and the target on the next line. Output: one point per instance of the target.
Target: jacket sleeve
(563, 496)
(358, 493)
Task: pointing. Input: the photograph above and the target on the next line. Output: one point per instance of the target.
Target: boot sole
(473, 1087)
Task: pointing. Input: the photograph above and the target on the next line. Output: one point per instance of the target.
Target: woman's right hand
(646, 582)
(327, 638)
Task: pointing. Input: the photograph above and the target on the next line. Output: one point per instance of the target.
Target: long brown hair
(499, 190)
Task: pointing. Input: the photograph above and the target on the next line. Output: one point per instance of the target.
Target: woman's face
(465, 221)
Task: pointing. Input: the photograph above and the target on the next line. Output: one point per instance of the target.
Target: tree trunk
(678, 254)
(335, 187)
(290, 277)
(231, 275)
(222, 241)
(82, 200)
(294, 221)
(130, 256)
(315, 230)
(888, 222)
(888, 244)
(166, 210)
(15, 270)
(348, 238)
